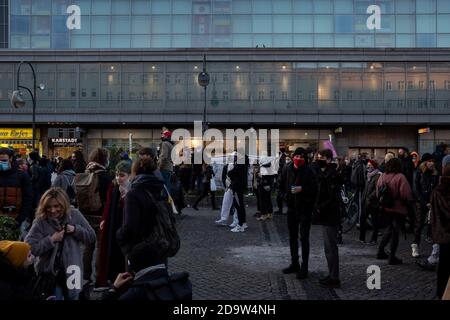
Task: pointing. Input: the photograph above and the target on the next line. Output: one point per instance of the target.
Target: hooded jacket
(440, 212)
(65, 179)
(139, 210)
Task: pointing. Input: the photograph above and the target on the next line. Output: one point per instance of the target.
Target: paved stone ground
(224, 265)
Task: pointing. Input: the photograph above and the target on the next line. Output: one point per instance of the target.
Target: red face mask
(299, 162)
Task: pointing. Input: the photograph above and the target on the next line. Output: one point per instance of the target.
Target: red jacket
(399, 189)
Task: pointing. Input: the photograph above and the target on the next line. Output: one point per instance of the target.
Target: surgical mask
(322, 163)
(5, 165)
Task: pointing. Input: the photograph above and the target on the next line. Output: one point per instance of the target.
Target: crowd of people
(73, 212)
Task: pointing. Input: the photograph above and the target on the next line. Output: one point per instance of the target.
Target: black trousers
(299, 221)
(392, 233)
(205, 190)
(266, 200)
(374, 214)
(421, 217)
(238, 203)
(443, 269)
(280, 197)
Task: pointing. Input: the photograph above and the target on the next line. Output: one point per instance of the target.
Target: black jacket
(139, 210)
(304, 177)
(328, 200)
(156, 285)
(425, 182)
(15, 283)
(238, 176)
(369, 195)
(17, 179)
(408, 170)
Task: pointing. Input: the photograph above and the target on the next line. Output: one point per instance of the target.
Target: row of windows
(4, 24)
(160, 24)
(60, 41)
(227, 6)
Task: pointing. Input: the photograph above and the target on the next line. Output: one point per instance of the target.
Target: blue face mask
(5, 165)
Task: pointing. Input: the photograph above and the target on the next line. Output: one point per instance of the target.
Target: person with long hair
(56, 237)
(79, 163)
(111, 260)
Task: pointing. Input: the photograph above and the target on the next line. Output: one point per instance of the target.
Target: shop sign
(65, 142)
(16, 134)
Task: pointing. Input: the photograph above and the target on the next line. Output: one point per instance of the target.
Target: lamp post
(17, 100)
(203, 80)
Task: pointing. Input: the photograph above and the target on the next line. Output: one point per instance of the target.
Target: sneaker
(425, 265)
(238, 228)
(269, 216)
(293, 268)
(245, 226)
(257, 214)
(395, 261)
(382, 255)
(233, 225)
(262, 217)
(221, 222)
(415, 250)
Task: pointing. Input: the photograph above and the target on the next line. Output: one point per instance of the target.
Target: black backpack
(385, 198)
(164, 236)
(176, 287)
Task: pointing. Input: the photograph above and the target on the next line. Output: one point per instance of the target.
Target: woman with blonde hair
(55, 238)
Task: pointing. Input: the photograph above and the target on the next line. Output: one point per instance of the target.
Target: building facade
(366, 75)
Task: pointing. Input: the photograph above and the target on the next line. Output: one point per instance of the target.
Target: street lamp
(17, 100)
(203, 80)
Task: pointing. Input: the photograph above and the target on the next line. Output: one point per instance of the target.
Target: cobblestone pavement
(225, 265)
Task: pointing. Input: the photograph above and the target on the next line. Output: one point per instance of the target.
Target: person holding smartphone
(299, 185)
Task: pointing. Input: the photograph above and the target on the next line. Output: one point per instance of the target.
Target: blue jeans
(166, 176)
(71, 295)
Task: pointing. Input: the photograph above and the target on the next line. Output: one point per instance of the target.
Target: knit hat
(445, 160)
(300, 152)
(427, 157)
(15, 251)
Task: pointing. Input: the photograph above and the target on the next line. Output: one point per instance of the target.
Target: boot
(293, 268)
(303, 273)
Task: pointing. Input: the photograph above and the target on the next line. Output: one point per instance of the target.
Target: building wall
(4, 22)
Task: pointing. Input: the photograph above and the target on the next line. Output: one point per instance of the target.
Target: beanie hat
(300, 152)
(124, 166)
(427, 157)
(15, 251)
(445, 161)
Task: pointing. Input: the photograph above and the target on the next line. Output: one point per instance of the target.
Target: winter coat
(370, 193)
(238, 177)
(399, 189)
(16, 179)
(328, 202)
(111, 259)
(302, 202)
(408, 170)
(165, 156)
(207, 174)
(139, 210)
(64, 180)
(44, 249)
(440, 212)
(425, 181)
(15, 283)
(358, 175)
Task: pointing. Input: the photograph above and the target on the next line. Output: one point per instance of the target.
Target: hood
(152, 181)
(69, 173)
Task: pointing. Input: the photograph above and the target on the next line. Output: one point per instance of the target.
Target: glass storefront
(20, 140)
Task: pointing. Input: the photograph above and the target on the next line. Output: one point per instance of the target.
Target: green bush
(9, 229)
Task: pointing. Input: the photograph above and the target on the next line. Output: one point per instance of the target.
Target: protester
(165, 163)
(408, 172)
(440, 226)
(328, 215)
(370, 203)
(55, 238)
(148, 279)
(139, 209)
(280, 195)
(401, 195)
(415, 158)
(300, 187)
(426, 179)
(15, 189)
(15, 274)
(79, 163)
(33, 161)
(207, 176)
(238, 180)
(66, 179)
(111, 260)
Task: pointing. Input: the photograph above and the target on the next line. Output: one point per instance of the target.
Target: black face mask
(322, 163)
